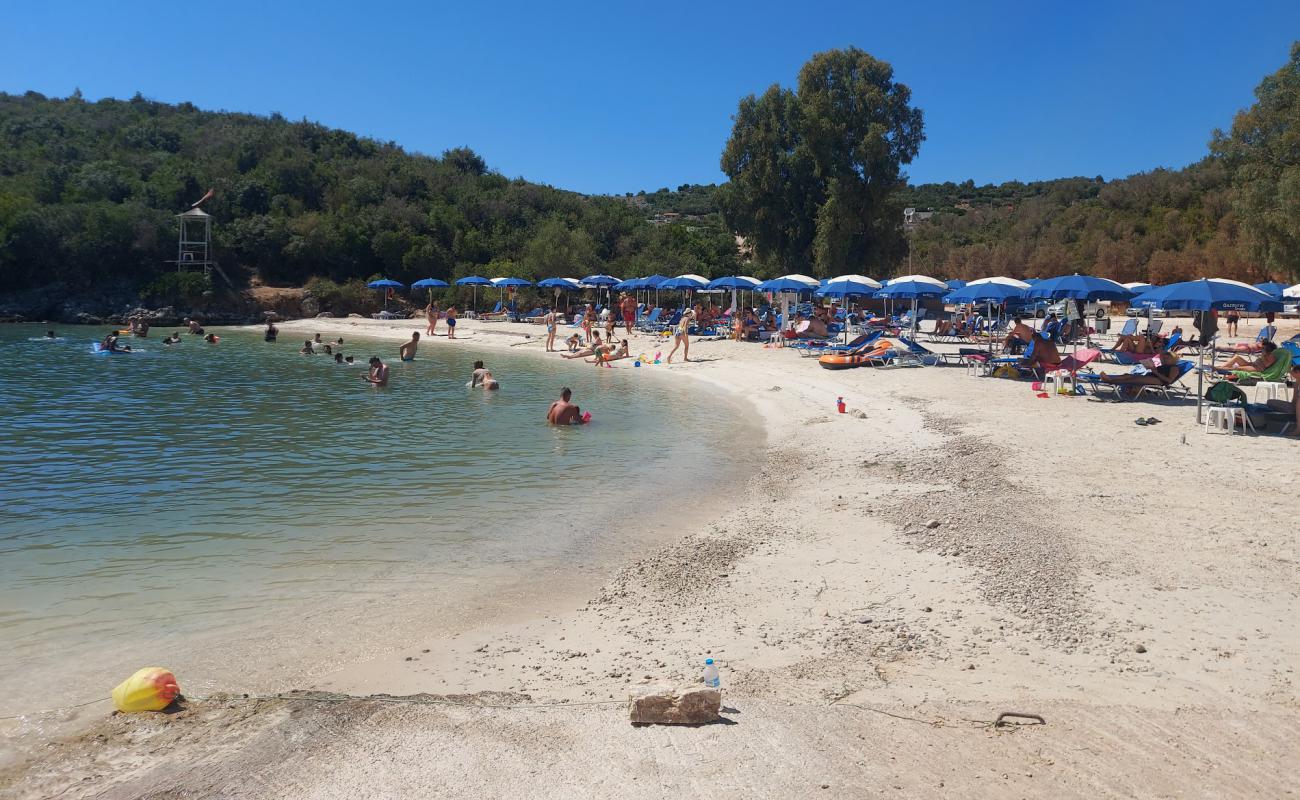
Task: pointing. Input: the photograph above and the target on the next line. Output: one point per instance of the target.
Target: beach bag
(1007, 371)
(1224, 392)
(149, 689)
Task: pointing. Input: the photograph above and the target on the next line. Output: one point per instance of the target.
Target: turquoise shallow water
(198, 487)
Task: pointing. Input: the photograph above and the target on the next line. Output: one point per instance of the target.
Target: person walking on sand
(451, 322)
(588, 319)
(549, 322)
(407, 351)
(629, 311)
(378, 374)
(431, 314)
(683, 338)
(562, 412)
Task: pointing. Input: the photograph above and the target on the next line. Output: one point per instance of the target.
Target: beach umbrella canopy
(429, 283)
(784, 285)
(1138, 286)
(684, 282)
(503, 283)
(473, 280)
(1211, 294)
(1272, 288)
(954, 284)
(847, 289)
(559, 283)
(384, 283)
(598, 281)
(652, 281)
(1032, 281)
(911, 290)
(804, 279)
(1291, 291)
(732, 282)
(984, 293)
(855, 278)
(918, 279)
(1078, 287)
(1001, 280)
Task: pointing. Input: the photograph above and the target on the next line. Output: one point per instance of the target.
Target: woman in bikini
(549, 321)
(683, 338)
(432, 313)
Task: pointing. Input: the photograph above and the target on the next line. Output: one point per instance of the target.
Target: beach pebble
(932, 524)
(1141, 648)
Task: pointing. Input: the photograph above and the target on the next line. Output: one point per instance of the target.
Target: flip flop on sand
(1152, 420)
(1140, 421)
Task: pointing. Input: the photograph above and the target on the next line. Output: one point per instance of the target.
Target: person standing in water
(271, 332)
(407, 351)
(549, 322)
(683, 338)
(431, 314)
(562, 412)
(378, 374)
(451, 322)
(482, 377)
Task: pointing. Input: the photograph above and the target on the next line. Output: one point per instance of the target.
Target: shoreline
(1071, 571)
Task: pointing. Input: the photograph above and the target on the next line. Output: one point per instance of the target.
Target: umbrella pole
(1200, 378)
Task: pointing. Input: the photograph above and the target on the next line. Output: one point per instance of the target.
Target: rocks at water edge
(686, 705)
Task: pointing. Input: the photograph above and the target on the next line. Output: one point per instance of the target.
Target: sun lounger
(1276, 373)
(928, 356)
(1131, 392)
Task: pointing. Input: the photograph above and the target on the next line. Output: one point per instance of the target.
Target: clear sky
(620, 96)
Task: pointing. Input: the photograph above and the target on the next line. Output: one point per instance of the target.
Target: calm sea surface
(207, 488)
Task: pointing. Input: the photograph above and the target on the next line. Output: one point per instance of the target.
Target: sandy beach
(880, 588)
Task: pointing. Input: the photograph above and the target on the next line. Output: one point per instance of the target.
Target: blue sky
(614, 97)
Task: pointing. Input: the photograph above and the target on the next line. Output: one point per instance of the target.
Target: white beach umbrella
(1291, 291)
(1002, 281)
(1137, 286)
(812, 282)
(919, 279)
(872, 282)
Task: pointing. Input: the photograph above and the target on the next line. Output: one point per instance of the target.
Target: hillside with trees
(88, 194)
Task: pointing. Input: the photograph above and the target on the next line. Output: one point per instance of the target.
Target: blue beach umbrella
(385, 284)
(474, 281)
(955, 284)
(1272, 288)
(509, 283)
(684, 283)
(599, 281)
(783, 285)
(913, 287)
(429, 283)
(736, 283)
(559, 283)
(1078, 287)
(1209, 294)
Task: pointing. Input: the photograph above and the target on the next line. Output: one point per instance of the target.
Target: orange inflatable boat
(849, 360)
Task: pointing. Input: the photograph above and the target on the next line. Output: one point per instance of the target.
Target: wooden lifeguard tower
(194, 248)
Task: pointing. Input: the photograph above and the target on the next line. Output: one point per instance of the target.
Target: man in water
(378, 374)
(482, 377)
(562, 412)
(271, 331)
(307, 349)
(347, 360)
(338, 358)
(195, 328)
(407, 351)
(50, 335)
(110, 344)
(175, 338)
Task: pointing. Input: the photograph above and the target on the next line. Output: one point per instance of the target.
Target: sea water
(225, 493)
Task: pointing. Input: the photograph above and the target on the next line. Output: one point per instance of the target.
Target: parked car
(1041, 308)
(1291, 310)
(1134, 311)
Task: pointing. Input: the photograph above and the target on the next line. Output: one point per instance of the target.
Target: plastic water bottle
(711, 677)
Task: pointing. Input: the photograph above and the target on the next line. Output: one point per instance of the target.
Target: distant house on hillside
(665, 218)
(913, 217)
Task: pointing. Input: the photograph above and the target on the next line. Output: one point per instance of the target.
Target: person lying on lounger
(1265, 360)
(1165, 373)
(1138, 344)
(1292, 407)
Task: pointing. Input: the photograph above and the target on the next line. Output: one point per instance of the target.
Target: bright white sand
(1068, 540)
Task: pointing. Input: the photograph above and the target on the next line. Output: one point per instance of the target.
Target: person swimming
(338, 358)
(50, 335)
(378, 374)
(212, 338)
(348, 360)
(110, 344)
(329, 351)
(563, 412)
(482, 377)
(307, 349)
(407, 351)
(175, 338)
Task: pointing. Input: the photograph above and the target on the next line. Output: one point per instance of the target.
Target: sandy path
(1135, 585)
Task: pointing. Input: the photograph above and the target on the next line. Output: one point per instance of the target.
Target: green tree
(813, 171)
(1263, 154)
